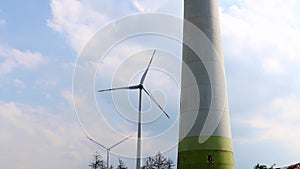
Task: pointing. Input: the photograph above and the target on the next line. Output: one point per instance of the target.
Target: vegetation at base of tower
(258, 166)
(158, 162)
(121, 165)
(97, 162)
(155, 162)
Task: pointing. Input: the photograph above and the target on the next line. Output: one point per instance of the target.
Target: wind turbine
(141, 88)
(108, 148)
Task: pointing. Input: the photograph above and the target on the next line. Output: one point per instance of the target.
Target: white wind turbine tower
(141, 88)
(108, 148)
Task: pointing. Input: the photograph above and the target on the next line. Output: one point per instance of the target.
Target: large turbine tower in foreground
(198, 148)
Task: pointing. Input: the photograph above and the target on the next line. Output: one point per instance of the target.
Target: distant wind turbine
(108, 148)
(141, 88)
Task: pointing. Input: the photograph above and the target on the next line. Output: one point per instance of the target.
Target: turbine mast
(216, 149)
(139, 148)
(141, 89)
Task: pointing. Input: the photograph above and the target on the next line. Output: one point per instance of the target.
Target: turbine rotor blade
(157, 104)
(119, 142)
(120, 88)
(146, 71)
(97, 143)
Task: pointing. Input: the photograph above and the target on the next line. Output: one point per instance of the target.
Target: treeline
(156, 162)
(258, 166)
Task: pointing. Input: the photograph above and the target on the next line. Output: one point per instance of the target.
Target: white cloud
(171, 7)
(78, 21)
(264, 28)
(272, 66)
(75, 20)
(46, 84)
(33, 132)
(278, 122)
(19, 84)
(12, 58)
(260, 40)
(2, 21)
(148, 5)
(263, 134)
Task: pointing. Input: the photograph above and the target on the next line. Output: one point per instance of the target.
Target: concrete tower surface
(207, 142)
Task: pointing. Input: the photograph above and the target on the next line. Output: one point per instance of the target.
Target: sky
(41, 42)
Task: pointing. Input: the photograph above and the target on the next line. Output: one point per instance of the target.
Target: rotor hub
(140, 86)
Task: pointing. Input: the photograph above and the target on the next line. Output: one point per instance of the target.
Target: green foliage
(121, 165)
(97, 162)
(258, 166)
(158, 162)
